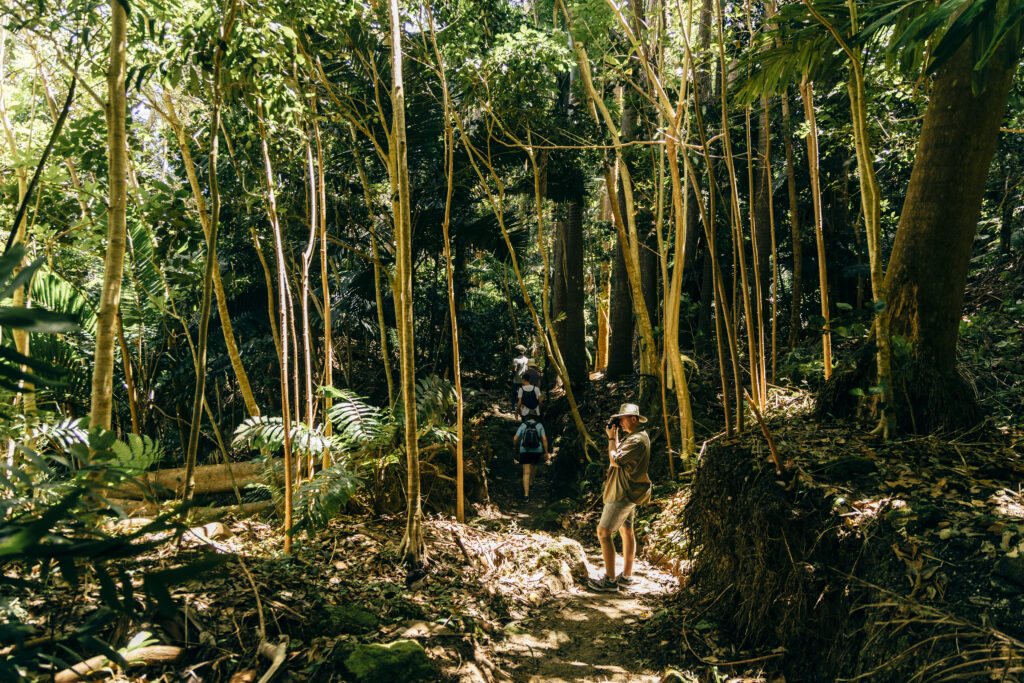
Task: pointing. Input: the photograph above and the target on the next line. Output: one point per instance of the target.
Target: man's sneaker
(526, 498)
(625, 581)
(603, 585)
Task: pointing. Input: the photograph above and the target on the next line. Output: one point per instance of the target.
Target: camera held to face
(613, 422)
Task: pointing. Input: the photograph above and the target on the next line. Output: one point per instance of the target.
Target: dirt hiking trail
(579, 634)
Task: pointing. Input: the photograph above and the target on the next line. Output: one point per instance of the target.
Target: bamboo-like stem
(211, 256)
(169, 114)
(126, 361)
(871, 206)
(282, 326)
(413, 546)
(449, 164)
(735, 219)
(113, 263)
(368, 198)
(307, 262)
(807, 95)
(324, 281)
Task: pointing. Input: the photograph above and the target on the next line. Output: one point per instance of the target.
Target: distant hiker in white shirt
(528, 399)
(519, 367)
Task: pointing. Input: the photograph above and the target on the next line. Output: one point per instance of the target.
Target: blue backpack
(531, 438)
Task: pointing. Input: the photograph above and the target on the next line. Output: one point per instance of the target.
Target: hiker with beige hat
(627, 485)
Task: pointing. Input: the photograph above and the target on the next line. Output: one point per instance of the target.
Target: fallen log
(144, 656)
(170, 483)
(138, 507)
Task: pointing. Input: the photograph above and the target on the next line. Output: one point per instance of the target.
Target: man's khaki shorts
(616, 515)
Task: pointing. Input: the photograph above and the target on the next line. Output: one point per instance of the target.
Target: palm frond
(320, 498)
(57, 294)
(358, 424)
(434, 396)
(267, 433)
(65, 434)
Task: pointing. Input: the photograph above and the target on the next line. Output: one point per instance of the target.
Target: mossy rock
(397, 662)
(564, 557)
(351, 619)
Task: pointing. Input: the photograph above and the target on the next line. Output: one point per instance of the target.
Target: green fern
(320, 498)
(267, 434)
(434, 397)
(359, 425)
(138, 454)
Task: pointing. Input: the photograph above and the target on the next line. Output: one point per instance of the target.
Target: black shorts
(529, 458)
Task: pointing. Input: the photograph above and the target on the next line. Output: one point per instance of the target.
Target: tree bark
(927, 271)
(620, 319)
(113, 264)
(568, 291)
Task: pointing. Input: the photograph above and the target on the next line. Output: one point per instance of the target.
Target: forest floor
(935, 523)
(578, 634)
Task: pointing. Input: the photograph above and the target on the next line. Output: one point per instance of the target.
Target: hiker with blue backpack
(530, 443)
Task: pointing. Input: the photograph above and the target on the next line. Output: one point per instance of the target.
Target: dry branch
(144, 656)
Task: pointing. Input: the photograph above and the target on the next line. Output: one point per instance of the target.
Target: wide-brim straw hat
(520, 348)
(629, 410)
(532, 364)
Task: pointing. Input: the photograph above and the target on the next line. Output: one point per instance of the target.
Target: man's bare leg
(607, 550)
(628, 550)
(527, 478)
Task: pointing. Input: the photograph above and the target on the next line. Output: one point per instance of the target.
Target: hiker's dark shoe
(603, 585)
(526, 498)
(625, 581)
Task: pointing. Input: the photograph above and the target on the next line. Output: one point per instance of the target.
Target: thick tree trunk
(928, 268)
(620, 319)
(573, 344)
(113, 263)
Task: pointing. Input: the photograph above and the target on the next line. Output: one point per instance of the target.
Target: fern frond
(267, 433)
(320, 498)
(358, 424)
(138, 454)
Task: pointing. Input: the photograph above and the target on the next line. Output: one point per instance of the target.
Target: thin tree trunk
(794, 225)
(413, 547)
(282, 326)
(113, 264)
(377, 268)
(126, 361)
(211, 258)
(807, 94)
(328, 333)
(231, 344)
(307, 262)
(449, 162)
(604, 295)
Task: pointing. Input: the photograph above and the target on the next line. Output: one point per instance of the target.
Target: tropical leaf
(358, 424)
(266, 433)
(320, 498)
